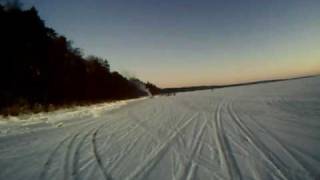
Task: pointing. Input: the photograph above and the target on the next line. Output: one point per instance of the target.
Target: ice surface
(265, 131)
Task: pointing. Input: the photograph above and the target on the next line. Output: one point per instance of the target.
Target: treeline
(40, 68)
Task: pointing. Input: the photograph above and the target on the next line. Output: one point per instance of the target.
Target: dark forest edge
(41, 71)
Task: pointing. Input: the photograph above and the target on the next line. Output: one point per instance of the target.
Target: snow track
(266, 131)
(226, 154)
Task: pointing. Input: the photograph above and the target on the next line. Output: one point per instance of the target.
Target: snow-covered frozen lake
(265, 131)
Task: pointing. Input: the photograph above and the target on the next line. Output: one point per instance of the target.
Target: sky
(174, 43)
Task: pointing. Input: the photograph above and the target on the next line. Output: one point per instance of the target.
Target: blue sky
(193, 42)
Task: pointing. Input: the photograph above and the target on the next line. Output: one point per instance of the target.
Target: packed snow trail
(265, 131)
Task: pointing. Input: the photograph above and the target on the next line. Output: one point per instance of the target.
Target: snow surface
(265, 131)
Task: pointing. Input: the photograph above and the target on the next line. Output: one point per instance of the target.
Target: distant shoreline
(207, 87)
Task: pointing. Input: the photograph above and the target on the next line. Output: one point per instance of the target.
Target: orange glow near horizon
(239, 76)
